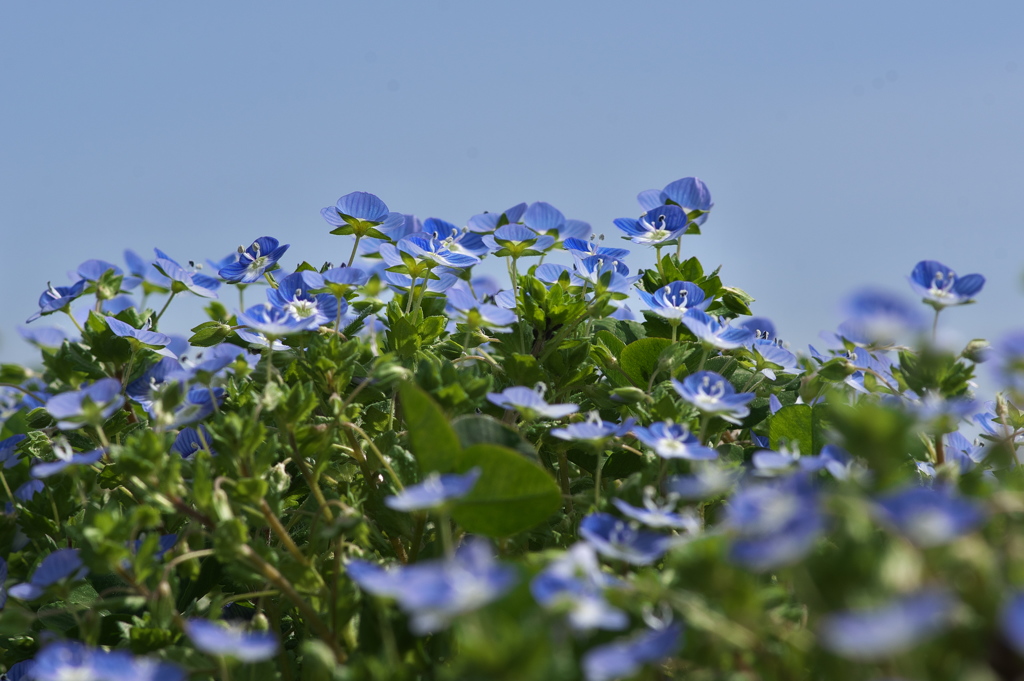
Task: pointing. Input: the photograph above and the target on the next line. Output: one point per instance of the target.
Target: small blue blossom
(182, 280)
(574, 584)
(65, 457)
(435, 490)
(672, 301)
(673, 441)
(454, 239)
(624, 658)
(293, 294)
(191, 440)
(656, 226)
(59, 565)
(275, 322)
(930, 516)
(879, 318)
(488, 222)
(706, 482)
(425, 248)
(891, 629)
(72, 661)
(714, 395)
(592, 430)
(713, 332)
(254, 261)
(940, 287)
(151, 339)
(690, 193)
(464, 308)
(434, 593)
(44, 337)
(775, 523)
(247, 646)
(91, 405)
(585, 249)
(8, 447)
(658, 515)
(517, 241)
(356, 208)
(530, 403)
(544, 218)
(615, 539)
(57, 298)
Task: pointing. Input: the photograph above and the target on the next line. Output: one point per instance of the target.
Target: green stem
(597, 478)
(156, 320)
(352, 257)
(74, 321)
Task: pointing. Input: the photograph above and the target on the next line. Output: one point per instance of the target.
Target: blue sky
(842, 142)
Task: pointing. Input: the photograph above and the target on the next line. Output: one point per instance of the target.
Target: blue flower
(574, 583)
(65, 457)
(66, 660)
(714, 395)
(517, 241)
(275, 322)
(775, 523)
(544, 218)
(425, 248)
(891, 629)
(147, 389)
(592, 430)
(254, 261)
(151, 339)
(57, 298)
(183, 280)
(434, 593)
(435, 490)
(674, 441)
(360, 210)
(8, 447)
(466, 309)
(940, 287)
(624, 657)
(44, 337)
(530, 403)
(672, 301)
(247, 646)
(293, 295)
(615, 539)
(191, 440)
(654, 227)
(584, 249)
(714, 333)
(91, 405)
(690, 193)
(1011, 621)
(59, 565)
(199, 402)
(659, 515)
(879, 318)
(930, 516)
(454, 239)
(706, 482)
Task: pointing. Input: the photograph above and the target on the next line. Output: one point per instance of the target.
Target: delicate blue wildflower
(144, 272)
(654, 227)
(660, 516)
(889, 630)
(836, 460)
(615, 539)
(148, 388)
(18, 671)
(592, 430)
(92, 405)
(44, 337)
(769, 462)
(517, 241)
(183, 280)
(672, 301)
(574, 583)
(434, 593)
(879, 318)
(714, 395)
(191, 440)
(775, 523)
(962, 452)
(93, 270)
(425, 248)
(488, 222)
(464, 308)
(706, 482)
(715, 333)
(70, 660)
(26, 491)
(152, 339)
(690, 193)
(930, 516)
(454, 239)
(275, 322)
(585, 249)
(57, 298)
(345, 276)
(293, 295)
(354, 208)
(8, 447)
(435, 490)
(254, 261)
(673, 441)
(940, 287)
(543, 218)
(761, 327)
(625, 657)
(530, 403)
(65, 457)
(59, 565)
(199, 403)
(215, 639)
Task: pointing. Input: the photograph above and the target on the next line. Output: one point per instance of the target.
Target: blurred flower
(929, 516)
(624, 657)
(574, 583)
(59, 565)
(434, 491)
(65, 457)
(658, 515)
(91, 405)
(776, 523)
(593, 429)
(215, 639)
(530, 403)
(72, 661)
(615, 539)
(890, 629)
(879, 318)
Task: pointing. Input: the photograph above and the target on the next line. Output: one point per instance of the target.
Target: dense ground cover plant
(400, 469)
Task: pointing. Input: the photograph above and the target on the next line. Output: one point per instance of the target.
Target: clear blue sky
(842, 142)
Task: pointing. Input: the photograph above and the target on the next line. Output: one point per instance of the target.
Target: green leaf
(432, 440)
(512, 494)
(798, 424)
(640, 358)
(208, 334)
(475, 430)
